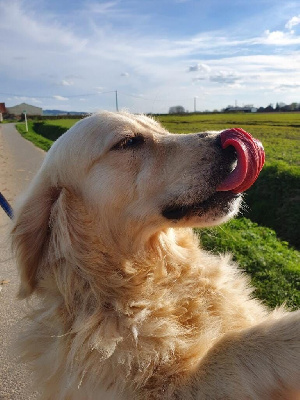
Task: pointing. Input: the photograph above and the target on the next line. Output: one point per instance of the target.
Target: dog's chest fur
(152, 328)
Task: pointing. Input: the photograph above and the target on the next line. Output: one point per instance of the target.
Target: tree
(176, 110)
(269, 108)
(294, 106)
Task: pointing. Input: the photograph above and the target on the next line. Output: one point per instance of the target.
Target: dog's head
(129, 178)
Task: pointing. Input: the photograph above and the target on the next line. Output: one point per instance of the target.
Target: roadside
(19, 161)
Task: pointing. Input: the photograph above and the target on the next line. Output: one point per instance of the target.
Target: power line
(117, 106)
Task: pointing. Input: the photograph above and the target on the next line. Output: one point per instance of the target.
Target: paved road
(19, 161)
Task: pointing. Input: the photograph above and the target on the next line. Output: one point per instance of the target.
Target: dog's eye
(129, 142)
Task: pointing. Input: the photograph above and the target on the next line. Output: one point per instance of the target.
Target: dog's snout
(213, 142)
(214, 139)
(202, 135)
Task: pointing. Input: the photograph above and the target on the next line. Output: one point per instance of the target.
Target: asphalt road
(19, 161)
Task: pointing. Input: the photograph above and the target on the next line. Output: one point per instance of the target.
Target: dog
(127, 305)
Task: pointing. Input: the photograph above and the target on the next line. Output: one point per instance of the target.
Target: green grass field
(278, 186)
(279, 133)
(273, 201)
(274, 267)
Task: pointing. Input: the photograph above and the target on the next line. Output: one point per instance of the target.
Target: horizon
(157, 54)
(280, 107)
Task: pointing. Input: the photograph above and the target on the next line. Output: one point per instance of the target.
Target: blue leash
(6, 207)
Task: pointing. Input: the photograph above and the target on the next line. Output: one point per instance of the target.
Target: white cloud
(288, 87)
(34, 28)
(278, 38)
(101, 8)
(47, 52)
(108, 11)
(26, 99)
(65, 82)
(293, 22)
(60, 98)
(198, 78)
(225, 77)
(199, 67)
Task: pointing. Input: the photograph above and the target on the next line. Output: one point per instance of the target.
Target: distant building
(245, 109)
(2, 111)
(23, 107)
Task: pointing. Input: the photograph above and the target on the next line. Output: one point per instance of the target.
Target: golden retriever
(128, 305)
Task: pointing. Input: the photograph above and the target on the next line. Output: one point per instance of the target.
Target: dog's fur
(129, 307)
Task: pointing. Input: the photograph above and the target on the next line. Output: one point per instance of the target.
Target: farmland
(272, 204)
(279, 133)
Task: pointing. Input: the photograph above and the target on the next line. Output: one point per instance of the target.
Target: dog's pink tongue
(250, 160)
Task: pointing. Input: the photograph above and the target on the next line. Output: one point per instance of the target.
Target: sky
(75, 55)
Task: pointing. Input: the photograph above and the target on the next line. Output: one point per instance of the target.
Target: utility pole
(25, 117)
(117, 107)
(195, 104)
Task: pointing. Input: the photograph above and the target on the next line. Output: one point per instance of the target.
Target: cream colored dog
(129, 306)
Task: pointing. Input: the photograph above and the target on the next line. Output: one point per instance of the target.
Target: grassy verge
(37, 139)
(43, 133)
(273, 266)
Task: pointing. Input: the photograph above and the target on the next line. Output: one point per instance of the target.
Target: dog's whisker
(81, 379)
(63, 335)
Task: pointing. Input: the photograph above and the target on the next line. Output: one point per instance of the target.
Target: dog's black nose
(218, 141)
(228, 153)
(227, 159)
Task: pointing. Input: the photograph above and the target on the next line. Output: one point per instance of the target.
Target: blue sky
(73, 55)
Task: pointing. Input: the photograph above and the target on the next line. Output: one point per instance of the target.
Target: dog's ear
(30, 234)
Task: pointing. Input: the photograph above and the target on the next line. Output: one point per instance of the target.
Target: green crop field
(262, 239)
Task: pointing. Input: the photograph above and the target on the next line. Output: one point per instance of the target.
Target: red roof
(2, 108)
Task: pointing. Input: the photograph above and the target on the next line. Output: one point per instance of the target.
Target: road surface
(19, 161)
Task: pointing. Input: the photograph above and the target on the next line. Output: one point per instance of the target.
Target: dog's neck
(85, 253)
